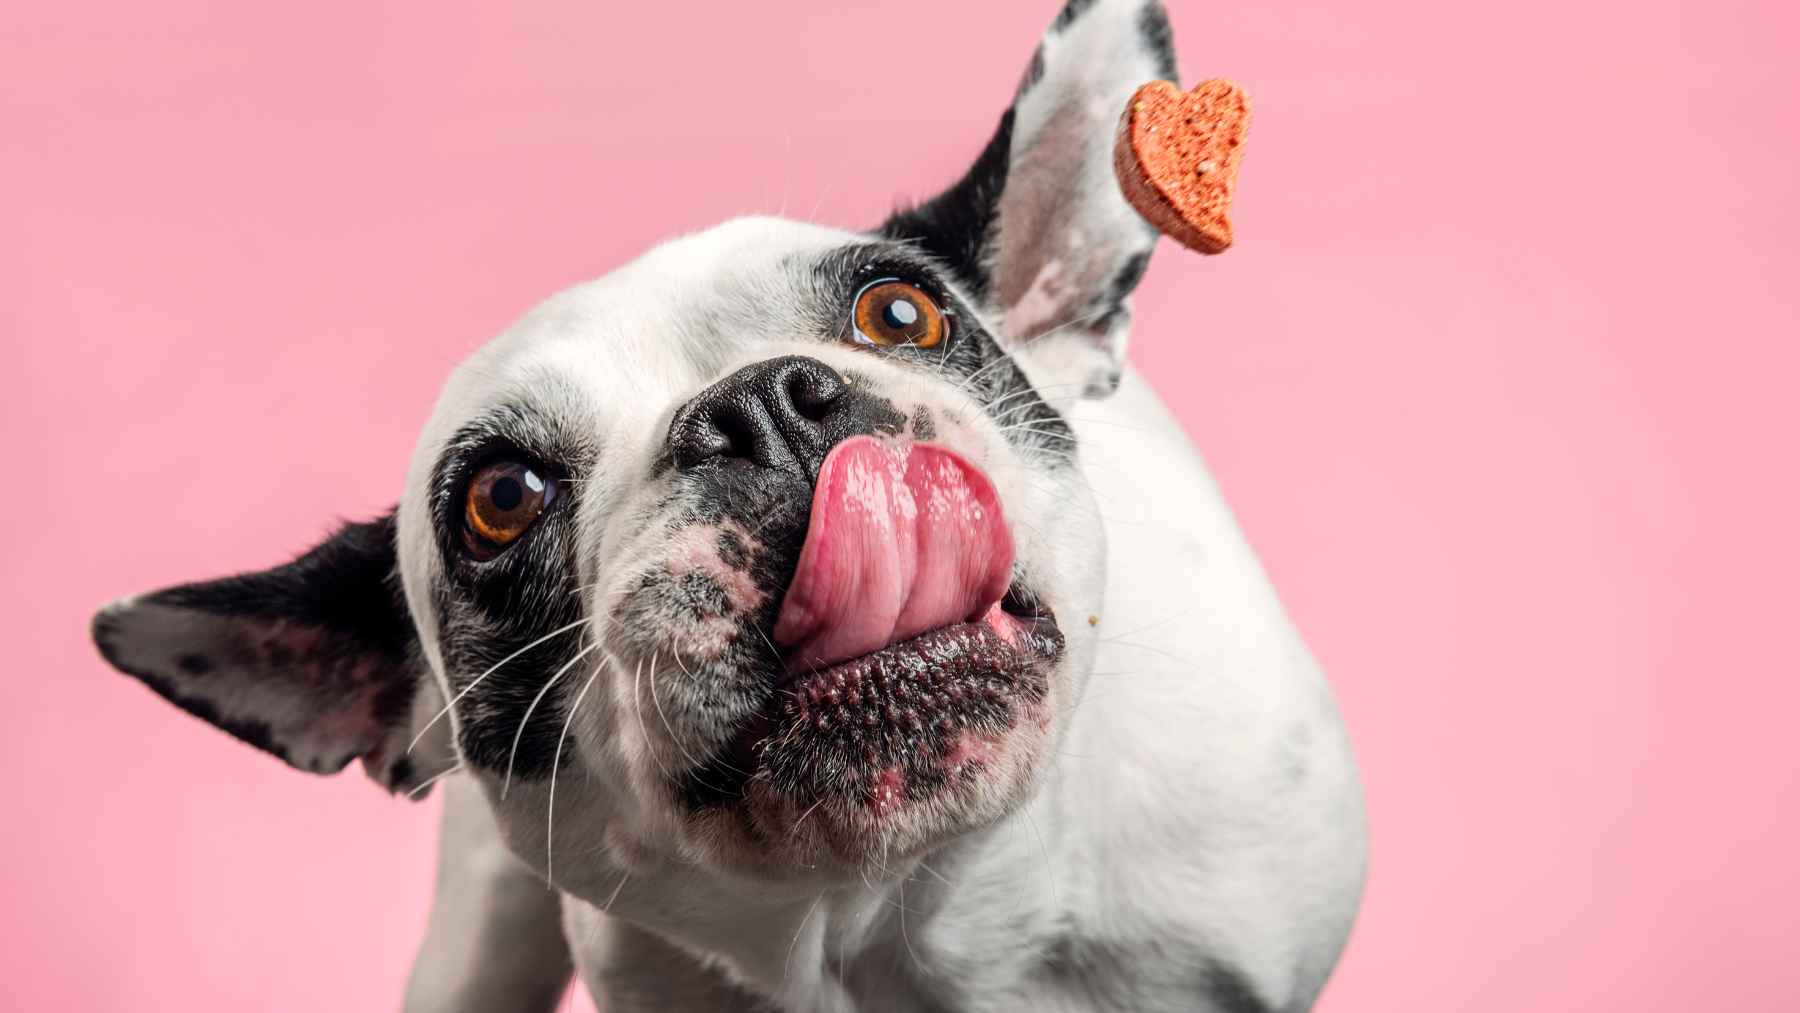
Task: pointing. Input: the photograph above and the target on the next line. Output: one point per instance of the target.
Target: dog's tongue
(904, 538)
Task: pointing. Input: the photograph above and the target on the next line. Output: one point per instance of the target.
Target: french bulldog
(805, 619)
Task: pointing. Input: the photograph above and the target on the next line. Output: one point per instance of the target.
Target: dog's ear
(1038, 229)
(316, 661)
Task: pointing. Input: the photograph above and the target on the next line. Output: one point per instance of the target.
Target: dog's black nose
(779, 413)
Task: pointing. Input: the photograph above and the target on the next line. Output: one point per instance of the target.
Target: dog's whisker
(788, 961)
(1036, 391)
(422, 786)
(773, 653)
(813, 215)
(513, 754)
(795, 829)
(787, 181)
(1086, 318)
(555, 764)
(1028, 411)
(607, 907)
(694, 765)
(477, 681)
(1034, 426)
(1005, 417)
(1153, 650)
(1089, 420)
(692, 678)
(637, 706)
(773, 515)
(1049, 433)
(1049, 867)
(923, 967)
(1164, 621)
(1011, 353)
(935, 874)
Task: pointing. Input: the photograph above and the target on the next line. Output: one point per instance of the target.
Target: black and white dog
(832, 620)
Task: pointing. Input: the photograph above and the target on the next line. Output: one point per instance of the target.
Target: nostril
(735, 430)
(812, 392)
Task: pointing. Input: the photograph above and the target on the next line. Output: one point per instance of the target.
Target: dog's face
(762, 546)
(769, 549)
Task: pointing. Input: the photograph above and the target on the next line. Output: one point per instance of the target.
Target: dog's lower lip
(1020, 604)
(1002, 655)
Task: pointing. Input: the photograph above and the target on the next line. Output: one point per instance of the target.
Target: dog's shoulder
(1257, 864)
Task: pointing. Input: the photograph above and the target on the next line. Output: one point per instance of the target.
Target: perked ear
(1038, 229)
(316, 662)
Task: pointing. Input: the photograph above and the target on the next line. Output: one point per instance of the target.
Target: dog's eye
(503, 500)
(892, 312)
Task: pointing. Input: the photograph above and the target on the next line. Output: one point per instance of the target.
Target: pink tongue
(904, 538)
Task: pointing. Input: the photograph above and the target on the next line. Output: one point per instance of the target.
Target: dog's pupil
(507, 494)
(900, 314)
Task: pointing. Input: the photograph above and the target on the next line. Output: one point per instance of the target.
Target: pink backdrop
(1501, 378)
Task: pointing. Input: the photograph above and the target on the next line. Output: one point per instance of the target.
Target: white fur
(1201, 803)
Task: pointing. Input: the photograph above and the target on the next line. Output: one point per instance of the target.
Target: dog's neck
(975, 915)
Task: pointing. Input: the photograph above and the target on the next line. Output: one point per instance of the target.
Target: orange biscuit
(1177, 158)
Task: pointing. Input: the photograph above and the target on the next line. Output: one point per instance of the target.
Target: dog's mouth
(910, 650)
(896, 725)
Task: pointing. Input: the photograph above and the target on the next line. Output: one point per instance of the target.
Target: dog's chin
(886, 755)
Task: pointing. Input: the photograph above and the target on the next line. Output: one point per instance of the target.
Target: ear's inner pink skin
(904, 538)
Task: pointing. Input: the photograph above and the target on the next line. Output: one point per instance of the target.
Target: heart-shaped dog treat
(1177, 157)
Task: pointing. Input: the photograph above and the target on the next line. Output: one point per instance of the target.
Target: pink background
(1501, 378)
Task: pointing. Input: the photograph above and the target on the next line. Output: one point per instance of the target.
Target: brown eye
(892, 313)
(504, 499)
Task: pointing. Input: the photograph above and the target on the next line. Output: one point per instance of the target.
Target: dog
(802, 619)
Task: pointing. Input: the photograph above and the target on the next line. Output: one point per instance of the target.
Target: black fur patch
(1034, 72)
(1231, 990)
(1159, 38)
(1071, 10)
(496, 616)
(702, 595)
(956, 226)
(506, 704)
(345, 585)
(1126, 280)
(1111, 302)
(732, 550)
(340, 597)
(923, 426)
(1119, 975)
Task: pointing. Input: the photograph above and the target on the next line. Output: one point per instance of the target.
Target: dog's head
(769, 549)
